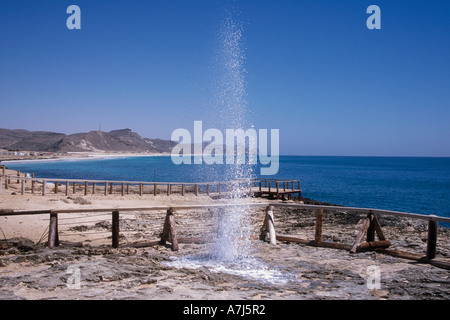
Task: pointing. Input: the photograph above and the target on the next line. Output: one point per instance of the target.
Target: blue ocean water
(416, 185)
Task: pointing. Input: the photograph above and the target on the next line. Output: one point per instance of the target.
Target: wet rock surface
(33, 271)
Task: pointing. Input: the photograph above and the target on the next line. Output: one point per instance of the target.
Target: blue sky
(313, 70)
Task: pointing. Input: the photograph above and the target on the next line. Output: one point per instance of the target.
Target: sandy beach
(76, 156)
(285, 271)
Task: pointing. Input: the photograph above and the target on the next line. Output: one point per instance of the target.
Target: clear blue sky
(314, 70)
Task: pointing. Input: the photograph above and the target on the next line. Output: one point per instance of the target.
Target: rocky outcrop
(33, 271)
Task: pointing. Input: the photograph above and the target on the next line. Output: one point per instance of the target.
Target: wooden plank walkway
(275, 193)
(276, 188)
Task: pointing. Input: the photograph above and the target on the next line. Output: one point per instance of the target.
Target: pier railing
(370, 228)
(277, 187)
(270, 187)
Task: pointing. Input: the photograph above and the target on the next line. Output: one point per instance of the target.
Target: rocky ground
(287, 271)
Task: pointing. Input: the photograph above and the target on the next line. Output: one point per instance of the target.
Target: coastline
(79, 156)
(30, 270)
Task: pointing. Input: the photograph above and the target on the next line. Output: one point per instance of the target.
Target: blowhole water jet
(231, 249)
(232, 240)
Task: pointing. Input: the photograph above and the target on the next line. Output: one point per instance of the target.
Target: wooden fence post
(278, 195)
(44, 187)
(269, 227)
(86, 188)
(371, 230)
(370, 227)
(432, 239)
(169, 231)
(1, 184)
(360, 235)
(115, 229)
(272, 236)
(32, 183)
(319, 220)
(53, 238)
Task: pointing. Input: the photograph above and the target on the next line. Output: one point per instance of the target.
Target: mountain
(9, 137)
(132, 139)
(124, 140)
(37, 141)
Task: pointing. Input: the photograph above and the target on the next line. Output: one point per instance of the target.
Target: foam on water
(246, 267)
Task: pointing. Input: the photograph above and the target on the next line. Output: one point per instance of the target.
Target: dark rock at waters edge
(344, 217)
(318, 203)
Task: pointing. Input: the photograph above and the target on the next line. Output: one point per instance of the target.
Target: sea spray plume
(231, 102)
(233, 233)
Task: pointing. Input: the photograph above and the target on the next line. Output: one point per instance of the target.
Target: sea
(409, 184)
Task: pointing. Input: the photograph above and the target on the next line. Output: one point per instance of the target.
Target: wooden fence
(370, 228)
(259, 187)
(277, 188)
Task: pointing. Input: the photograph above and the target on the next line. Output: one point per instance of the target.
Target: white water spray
(233, 232)
(231, 246)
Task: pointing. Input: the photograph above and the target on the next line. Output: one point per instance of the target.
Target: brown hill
(38, 141)
(10, 137)
(124, 140)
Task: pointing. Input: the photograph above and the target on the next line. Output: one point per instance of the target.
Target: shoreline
(31, 270)
(83, 156)
(108, 156)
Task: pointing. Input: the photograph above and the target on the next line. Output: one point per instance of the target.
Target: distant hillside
(124, 140)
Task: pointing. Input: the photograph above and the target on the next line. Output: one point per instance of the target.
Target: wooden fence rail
(277, 188)
(370, 228)
(67, 186)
